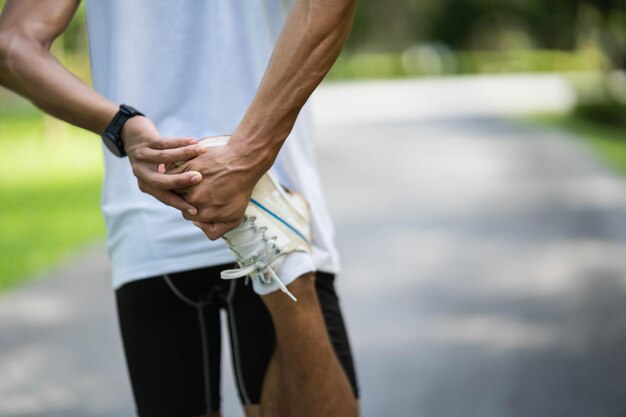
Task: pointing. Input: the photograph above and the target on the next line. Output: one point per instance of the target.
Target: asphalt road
(484, 266)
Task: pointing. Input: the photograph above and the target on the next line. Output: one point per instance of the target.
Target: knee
(304, 286)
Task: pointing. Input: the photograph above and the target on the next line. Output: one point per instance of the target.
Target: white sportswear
(192, 67)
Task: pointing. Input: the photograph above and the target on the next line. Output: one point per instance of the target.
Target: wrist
(131, 129)
(261, 134)
(256, 144)
(137, 130)
(112, 135)
(253, 154)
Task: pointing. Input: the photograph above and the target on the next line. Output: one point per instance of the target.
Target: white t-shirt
(193, 67)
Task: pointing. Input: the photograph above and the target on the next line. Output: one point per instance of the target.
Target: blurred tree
(394, 25)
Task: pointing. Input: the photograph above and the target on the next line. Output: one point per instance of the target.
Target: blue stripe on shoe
(293, 229)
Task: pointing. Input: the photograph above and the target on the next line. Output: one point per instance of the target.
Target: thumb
(216, 230)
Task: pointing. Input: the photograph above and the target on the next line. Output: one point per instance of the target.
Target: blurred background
(474, 158)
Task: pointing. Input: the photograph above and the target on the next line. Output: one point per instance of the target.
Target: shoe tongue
(208, 142)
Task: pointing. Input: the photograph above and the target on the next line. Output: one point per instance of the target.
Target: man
(199, 68)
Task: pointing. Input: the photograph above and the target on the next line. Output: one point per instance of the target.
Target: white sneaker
(276, 223)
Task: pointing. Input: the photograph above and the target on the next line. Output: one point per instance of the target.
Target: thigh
(333, 318)
(171, 336)
(253, 339)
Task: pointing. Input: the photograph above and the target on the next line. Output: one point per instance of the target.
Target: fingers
(162, 181)
(214, 213)
(216, 230)
(177, 202)
(161, 152)
(220, 229)
(169, 198)
(207, 228)
(171, 143)
(169, 156)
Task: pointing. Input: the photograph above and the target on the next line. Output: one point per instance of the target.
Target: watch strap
(112, 135)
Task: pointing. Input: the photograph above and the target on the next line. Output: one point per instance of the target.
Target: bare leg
(272, 400)
(252, 410)
(305, 377)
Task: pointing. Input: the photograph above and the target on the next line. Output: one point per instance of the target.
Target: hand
(223, 195)
(147, 151)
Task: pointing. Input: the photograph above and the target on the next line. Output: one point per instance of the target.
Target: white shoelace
(252, 246)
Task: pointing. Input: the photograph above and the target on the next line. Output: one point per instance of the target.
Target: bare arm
(27, 30)
(312, 37)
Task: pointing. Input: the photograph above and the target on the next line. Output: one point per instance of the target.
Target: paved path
(484, 267)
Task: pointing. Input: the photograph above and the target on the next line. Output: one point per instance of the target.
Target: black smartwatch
(112, 135)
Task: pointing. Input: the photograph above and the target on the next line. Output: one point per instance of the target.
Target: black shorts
(172, 338)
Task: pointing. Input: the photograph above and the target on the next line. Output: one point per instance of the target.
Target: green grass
(608, 141)
(434, 61)
(49, 194)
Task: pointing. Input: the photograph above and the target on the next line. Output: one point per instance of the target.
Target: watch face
(111, 135)
(112, 146)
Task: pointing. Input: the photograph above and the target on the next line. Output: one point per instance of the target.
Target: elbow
(350, 4)
(5, 45)
(14, 49)
(8, 54)
(328, 16)
(341, 6)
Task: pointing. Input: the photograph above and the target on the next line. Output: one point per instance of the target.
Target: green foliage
(49, 194)
(610, 113)
(368, 66)
(394, 25)
(433, 61)
(601, 98)
(514, 61)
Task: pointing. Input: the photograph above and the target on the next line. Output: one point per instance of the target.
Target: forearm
(312, 37)
(35, 74)
(28, 68)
